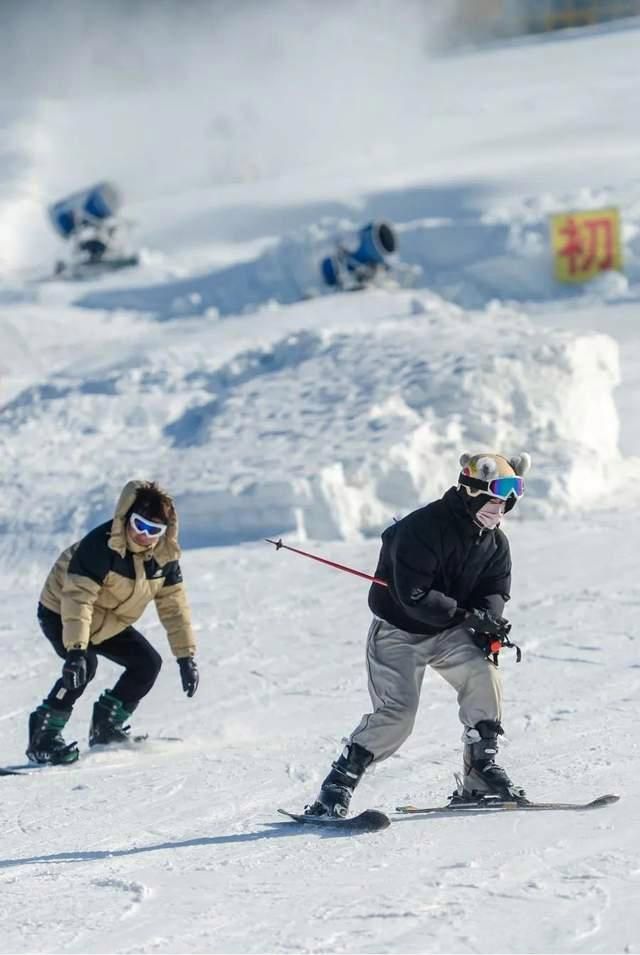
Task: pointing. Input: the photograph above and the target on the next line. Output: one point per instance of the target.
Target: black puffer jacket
(438, 563)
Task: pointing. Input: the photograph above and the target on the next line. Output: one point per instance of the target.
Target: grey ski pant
(396, 662)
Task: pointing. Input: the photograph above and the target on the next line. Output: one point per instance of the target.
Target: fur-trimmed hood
(167, 548)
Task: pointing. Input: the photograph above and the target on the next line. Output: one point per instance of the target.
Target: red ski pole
(331, 563)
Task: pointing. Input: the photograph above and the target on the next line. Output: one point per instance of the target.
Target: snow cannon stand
(89, 221)
(352, 268)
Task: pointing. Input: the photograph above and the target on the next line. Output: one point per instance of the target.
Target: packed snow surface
(178, 847)
(223, 369)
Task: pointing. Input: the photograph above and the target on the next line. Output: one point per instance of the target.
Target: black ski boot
(482, 776)
(337, 789)
(46, 743)
(108, 719)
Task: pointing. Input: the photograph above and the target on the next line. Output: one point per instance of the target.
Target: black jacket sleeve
(414, 561)
(494, 587)
(494, 603)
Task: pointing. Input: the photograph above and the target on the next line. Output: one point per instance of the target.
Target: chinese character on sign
(585, 244)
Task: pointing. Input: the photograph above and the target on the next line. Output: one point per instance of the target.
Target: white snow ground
(321, 420)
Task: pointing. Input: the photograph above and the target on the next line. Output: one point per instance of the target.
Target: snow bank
(327, 430)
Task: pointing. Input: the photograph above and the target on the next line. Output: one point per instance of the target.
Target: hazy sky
(166, 96)
(58, 46)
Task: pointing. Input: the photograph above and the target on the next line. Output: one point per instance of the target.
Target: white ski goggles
(142, 525)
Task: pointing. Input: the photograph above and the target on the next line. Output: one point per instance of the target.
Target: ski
(487, 805)
(29, 769)
(371, 820)
(132, 743)
(147, 738)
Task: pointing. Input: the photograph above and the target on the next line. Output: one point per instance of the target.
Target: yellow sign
(586, 243)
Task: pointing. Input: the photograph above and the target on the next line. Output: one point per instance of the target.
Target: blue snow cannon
(353, 268)
(88, 207)
(377, 241)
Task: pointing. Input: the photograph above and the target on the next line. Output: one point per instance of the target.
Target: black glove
(189, 675)
(484, 622)
(74, 670)
(490, 633)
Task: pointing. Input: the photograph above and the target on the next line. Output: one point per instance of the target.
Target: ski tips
(377, 819)
(371, 820)
(606, 800)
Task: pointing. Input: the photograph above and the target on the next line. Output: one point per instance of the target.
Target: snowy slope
(320, 420)
(178, 849)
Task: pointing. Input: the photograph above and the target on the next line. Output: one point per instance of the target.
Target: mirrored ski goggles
(142, 525)
(502, 487)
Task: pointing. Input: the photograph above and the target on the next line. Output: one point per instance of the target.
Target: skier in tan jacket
(96, 590)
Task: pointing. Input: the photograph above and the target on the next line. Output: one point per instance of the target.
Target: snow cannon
(331, 273)
(88, 220)
(377, 241)
(92, 206)
(354, 268)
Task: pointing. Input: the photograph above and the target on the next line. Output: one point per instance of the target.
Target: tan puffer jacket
(102, 584)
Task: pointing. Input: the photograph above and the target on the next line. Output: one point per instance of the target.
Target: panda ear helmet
(520, 463)
(465, 457)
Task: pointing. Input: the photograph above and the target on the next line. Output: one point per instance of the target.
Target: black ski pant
(129, 649)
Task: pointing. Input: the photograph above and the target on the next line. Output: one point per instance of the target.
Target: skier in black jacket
(448, 570)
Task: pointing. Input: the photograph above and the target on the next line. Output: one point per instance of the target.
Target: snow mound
(327, 430)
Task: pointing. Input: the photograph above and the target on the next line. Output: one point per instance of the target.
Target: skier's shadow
(276, 830)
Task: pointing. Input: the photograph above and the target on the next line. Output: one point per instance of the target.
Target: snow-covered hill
(221, 368)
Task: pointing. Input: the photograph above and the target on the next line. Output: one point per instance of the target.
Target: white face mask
(490, 514)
